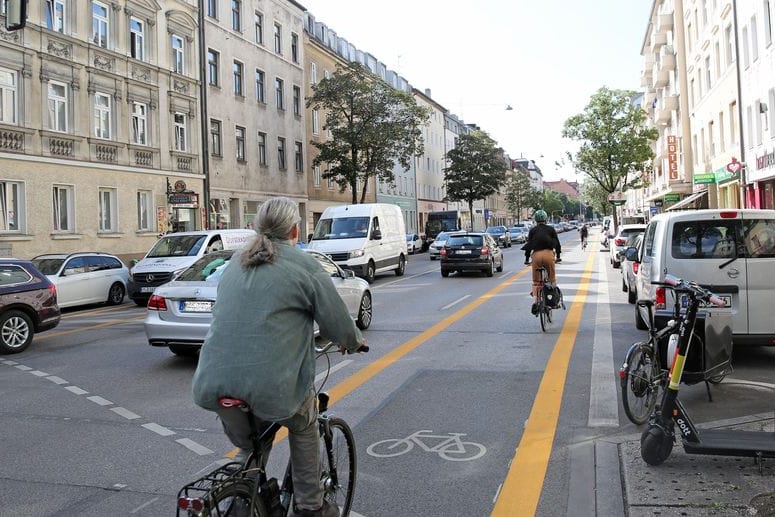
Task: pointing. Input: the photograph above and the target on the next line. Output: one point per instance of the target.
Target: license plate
(196, 306)
(464, 252)
(147, 289)
(726, 297)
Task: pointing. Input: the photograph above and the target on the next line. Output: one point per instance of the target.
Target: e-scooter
(656, 442)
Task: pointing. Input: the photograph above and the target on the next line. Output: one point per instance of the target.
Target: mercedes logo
(150, 278)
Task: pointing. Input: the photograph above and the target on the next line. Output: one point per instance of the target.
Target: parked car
(86, 277)
(617, 243)
(28, 304)
(518, 234)
(471, 252)
(630, 268)
(179, 312)
(435, 248)
(501, 235)
(413, 243)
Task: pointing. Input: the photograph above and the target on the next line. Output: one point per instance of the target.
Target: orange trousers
(541, 258)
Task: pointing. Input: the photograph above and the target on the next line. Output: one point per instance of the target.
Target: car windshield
(341, 228)
(207, 269)
(48, 266)
(177, 246)
(442, 237)
(465, 240)
(495, 229)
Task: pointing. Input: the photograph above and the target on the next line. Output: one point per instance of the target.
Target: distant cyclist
(584, 232)
(543, 246)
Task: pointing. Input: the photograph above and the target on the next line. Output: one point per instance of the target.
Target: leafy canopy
(373, 126)
(520, 194)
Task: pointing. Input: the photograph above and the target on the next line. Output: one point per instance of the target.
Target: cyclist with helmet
(584, 232)
(543, 246)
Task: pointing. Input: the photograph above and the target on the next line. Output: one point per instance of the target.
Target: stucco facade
(429, 167)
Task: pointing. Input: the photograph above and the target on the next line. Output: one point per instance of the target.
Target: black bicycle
(547, 299)
(244, 489)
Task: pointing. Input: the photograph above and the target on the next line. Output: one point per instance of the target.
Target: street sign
(734, 166)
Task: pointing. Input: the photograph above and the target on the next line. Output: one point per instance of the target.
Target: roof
(569, 188)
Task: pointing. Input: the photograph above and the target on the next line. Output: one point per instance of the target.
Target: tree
(520, 194)
(476, 169)
(552, 202)
(372, 126)
(594, 195)
(615, 142)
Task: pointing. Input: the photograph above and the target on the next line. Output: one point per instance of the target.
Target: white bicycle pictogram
(450, 447)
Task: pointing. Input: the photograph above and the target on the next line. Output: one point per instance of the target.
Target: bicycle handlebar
(701, 293)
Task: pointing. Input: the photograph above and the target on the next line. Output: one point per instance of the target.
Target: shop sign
(672, 156)
(671, 198)
(183, 200)
(766, 160)
(704, 178)
(657, 202)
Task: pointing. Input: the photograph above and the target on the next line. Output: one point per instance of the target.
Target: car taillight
(157, 303)
(619, 241)
(485, 250)
(659, 298)
(635, 266)
(53, 290)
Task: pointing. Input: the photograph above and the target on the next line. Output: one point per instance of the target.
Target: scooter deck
(726, 442)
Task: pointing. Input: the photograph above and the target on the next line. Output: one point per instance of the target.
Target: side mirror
(349, 273)
(376, 235)
(631, 254)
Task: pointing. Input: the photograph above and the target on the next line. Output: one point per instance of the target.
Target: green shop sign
(719, 175)
(671, 198)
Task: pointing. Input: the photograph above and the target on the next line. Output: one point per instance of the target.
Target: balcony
(658, 39)
(664, 23)
(646, 77)
(11, 140)
(665, 108)
(667, 58)
(660, 77)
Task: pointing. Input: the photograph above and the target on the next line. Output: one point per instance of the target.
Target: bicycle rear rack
(194, 498)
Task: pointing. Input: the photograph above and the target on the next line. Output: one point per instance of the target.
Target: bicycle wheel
(338, 465)
(641, 383)
(235, 498)
(542, 313)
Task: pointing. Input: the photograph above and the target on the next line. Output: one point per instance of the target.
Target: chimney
(428, 93)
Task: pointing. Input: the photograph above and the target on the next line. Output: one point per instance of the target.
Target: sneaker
(327, 510)
(534, 309)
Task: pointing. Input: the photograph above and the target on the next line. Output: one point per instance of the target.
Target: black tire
(444, 273)
(16, 331)
(640, 324)
(641, 383)
(499, 269)
(233, 498)
(364, 312)
(490, 270)
(401, 266)
(369, 272)
(183, 350)
(542, 315)
(624, 285)
(339, 468)
(656, 444)
(116, 294)
(632, 296)
(616, 264)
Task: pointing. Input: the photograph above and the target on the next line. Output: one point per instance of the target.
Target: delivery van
(174, 252)
(368, 238)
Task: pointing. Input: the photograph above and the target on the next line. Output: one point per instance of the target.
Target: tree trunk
(363, 190)
(471, 212)
(354, 190)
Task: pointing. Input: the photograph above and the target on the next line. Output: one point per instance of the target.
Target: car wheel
(489, 271)
(624, 286)
(369, 272)
(16, 332)
(615, 264)
(184, 351)
(500, 267)
(433, 257)
(444, 273)
(116, 294)
(401, 266)
(364, 312)
(632, 296)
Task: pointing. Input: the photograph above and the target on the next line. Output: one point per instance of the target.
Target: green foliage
(520, 194)
(594, 195)
(373, 126)
(477, 169)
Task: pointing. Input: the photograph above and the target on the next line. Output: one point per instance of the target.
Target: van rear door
(759, 242)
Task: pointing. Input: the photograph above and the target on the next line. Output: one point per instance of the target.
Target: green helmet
(539, 216)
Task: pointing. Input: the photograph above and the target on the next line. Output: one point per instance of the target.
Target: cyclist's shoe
(534, 309)
(527, 262)
(327, 510)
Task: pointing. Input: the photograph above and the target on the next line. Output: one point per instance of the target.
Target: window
(102, 118)
(144, 210)
(313, 73)
(298, 157)
(7, 96)
(212, 67)
(240, 136)
(260, 96)
(57, 106)
(711, 140)
(767, 23)
(295, 47)
(721, 143)
(108, 210)
(754, 39)
(258, 21)
(278, 87)
(137, 39)
(704, 239)
(212, 8)
(707, 73)
(180, 131)
(178, 55)
(732, 122)
(100, 32)
(278, 39)
(55, 15)
(717, 56)
(262, 149)
(281, 152)
(315, 122)
(729, 41)
(297, 101)
(316, 175)
(12, 215)
(64, 215)
(746, 48)
(238, 78)
(236, 8)
(215, 137)
(140, 123)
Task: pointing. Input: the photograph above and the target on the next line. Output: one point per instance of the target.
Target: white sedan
(413, 243)
(85, 278)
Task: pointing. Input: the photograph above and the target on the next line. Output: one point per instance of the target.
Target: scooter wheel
(656, 444)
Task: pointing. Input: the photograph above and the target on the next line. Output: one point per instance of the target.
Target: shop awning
(685, 202)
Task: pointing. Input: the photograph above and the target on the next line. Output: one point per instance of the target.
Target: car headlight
(356, 253)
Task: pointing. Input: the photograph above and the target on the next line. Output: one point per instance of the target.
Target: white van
(174, 252)
(368, 238)
(729, 251)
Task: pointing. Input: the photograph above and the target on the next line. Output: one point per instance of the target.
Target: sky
(543, 58)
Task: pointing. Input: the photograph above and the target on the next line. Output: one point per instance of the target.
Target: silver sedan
(179, 312)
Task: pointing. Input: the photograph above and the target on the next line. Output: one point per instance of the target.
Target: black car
(501, 235)
(471, 252)
(28, 304)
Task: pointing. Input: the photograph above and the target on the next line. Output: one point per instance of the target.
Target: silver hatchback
(179, 312)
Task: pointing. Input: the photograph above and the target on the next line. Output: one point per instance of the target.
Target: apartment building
(98, 139)
(429, 167)
(255, 107)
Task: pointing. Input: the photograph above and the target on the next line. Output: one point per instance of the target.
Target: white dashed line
(99, 400)
(193, 446)
(23, 368)
(11, 363)
(38, 373)
(124, 412)
(76, 390)
(158, 429)
(144, 505)
(56, 380)
(455, 302)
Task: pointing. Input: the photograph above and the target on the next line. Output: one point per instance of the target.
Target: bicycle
(244, 489)
(545, 301)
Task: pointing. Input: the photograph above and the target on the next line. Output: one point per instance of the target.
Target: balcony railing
(11, 140)
(61, 147)
(106, 153)
(664, 23)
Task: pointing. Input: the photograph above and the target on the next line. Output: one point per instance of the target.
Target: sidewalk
(684, 485)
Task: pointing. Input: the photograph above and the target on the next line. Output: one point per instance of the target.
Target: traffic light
(15, 14)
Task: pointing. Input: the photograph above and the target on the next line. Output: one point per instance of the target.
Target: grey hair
(274, 221)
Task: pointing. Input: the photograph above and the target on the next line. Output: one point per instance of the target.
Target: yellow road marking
(111, 323)
(525, 479)
(101, 310)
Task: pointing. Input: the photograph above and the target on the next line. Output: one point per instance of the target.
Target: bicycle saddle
(229, 402)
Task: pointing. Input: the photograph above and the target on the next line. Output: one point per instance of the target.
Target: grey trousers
(304, 441)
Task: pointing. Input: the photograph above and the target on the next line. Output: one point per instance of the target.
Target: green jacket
(260, 346)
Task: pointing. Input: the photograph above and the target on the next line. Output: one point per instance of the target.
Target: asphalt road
(96, 422)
